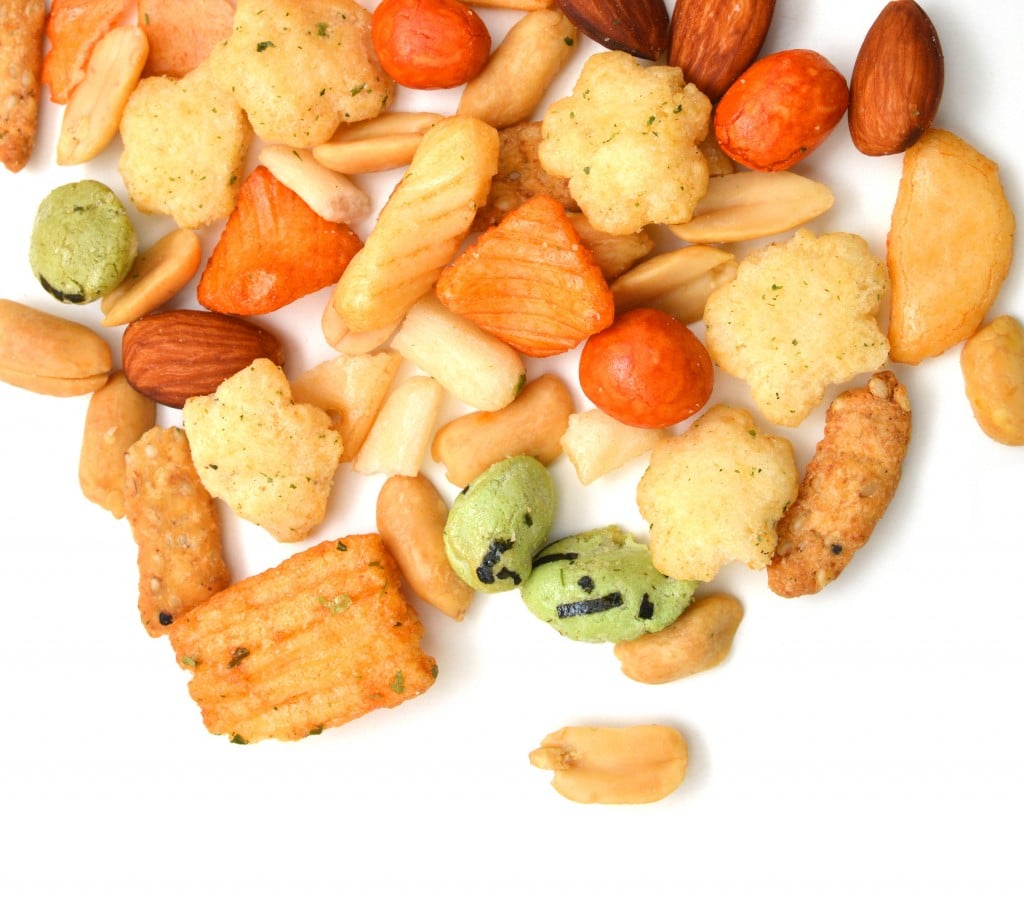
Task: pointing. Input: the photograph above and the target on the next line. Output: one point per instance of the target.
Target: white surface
(861, 745)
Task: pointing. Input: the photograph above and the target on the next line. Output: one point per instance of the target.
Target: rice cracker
(21, 62)
(319, 640)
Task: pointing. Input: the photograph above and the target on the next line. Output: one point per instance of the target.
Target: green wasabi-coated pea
(83, 243)
(602, 586)
(497, 523)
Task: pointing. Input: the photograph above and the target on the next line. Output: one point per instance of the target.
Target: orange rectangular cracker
(175, 524)
(21, 61)
(321, 639)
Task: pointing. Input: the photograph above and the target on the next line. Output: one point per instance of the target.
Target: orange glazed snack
(321, 639)
(530, 282)
(74, 27)
(274, 249)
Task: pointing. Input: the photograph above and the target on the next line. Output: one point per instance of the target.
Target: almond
(897, 80)
(174, 355)
(639, 27)
(714, 42)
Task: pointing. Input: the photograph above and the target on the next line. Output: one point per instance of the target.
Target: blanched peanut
(637, 764)
(387, 141)
(339, 337)
(93, 113)
(678, 282)
(698, 640)
(614, 254)
(118, 415)
(531, 425)
(411, 515)
(48, 354)
(992, 362)
(512, 84)
(157, 275)
(329, 194)
(754, 204)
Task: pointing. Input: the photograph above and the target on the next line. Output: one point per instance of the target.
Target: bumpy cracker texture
(175, 524)
(713, 495)
(627, 141)
(846, 488)
(799, 316)
(302, 69)
(21, 62)
(193, 174)
(272, 460)
(321, 639)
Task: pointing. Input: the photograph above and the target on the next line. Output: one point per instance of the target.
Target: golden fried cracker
(321, 639)
(846, 488)
(520, 176)
(175, 524)
(21, 61)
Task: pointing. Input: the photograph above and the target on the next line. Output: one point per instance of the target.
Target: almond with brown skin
(174, 355)
(639, 27)
(897, 80)
(714, 42)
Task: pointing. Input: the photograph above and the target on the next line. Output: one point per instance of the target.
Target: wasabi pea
(602, 586)
(498, 522)
(83, 242)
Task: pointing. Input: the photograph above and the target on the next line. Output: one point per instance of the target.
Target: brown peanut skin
(781, 109)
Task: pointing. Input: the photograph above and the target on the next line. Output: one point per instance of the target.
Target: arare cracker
(319, 640)
(175, 524)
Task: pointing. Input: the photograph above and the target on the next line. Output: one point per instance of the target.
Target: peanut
(339, 337)
(411, 515)
(387, 141)
(638, 764)
(532, 424)
(992, 362)
(117, 417)
(329, 194)
(678, 282)
(614, 254)
(698, 640)
(93, 113)
(752, 204)
(48, 354)
(512, 84)
(157, 275)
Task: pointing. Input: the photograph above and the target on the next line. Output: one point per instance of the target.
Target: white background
(863, 745)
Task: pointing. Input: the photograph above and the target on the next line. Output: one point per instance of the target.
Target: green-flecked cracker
(602, 586)
(83, 242)
(498, 522)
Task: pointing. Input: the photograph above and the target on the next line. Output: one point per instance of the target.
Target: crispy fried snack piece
(846, 488)
(520, 176)
(321, 639)
(175, 524)
(21, 62)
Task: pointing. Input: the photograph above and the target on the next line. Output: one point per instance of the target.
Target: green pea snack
(602, 586)
(83, 242)
(497, 523)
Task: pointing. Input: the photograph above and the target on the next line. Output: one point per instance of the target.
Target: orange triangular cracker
(274, 250)
(530, 281)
